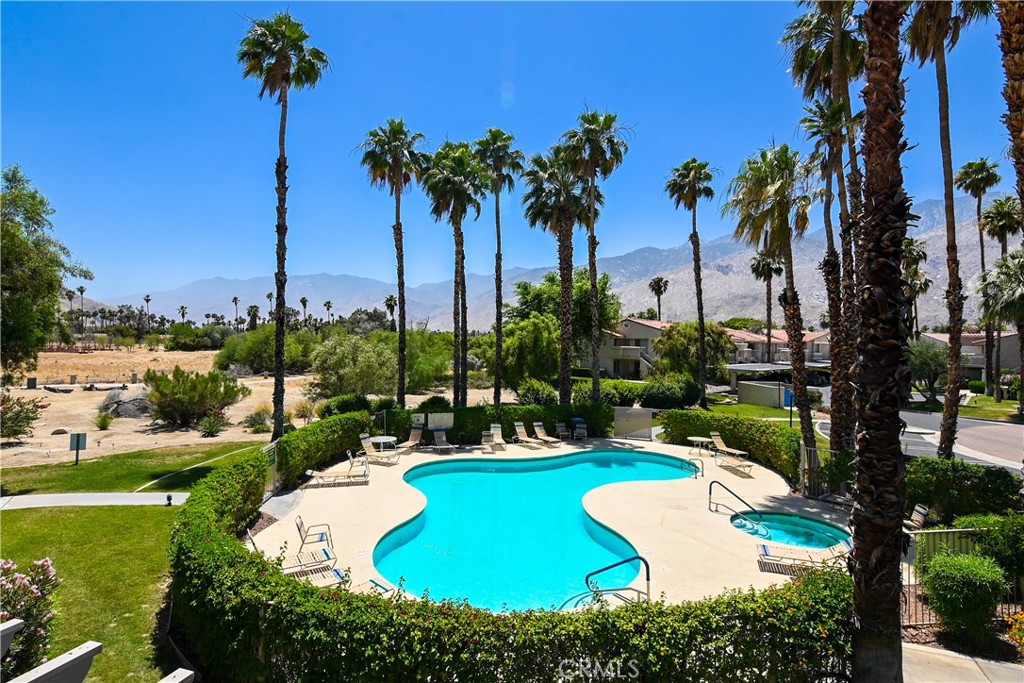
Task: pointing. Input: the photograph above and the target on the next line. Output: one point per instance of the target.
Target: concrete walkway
(47, 500)
(923, 664)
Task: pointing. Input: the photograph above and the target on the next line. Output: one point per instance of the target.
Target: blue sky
(134, 120)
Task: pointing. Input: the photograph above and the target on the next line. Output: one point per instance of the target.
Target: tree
(935, 28)
(689, 183)
(390, 303)
(183, 311)
(554, 202)
(595, 149)
(1011, 44)
(927, 367)
(658, 286)
(275, 53)
(770, 200)
(881, 376)
(253, 312)
(303, 301)
(330, 318)
(765, 266)
(81, 308)
(148, 298)
(455, 183)
(976, 178)
(33, 266)
(505, 164)
(1001, 220)
(917, 283)
(679, 349)
(392, 161)
(1004, 301)
(349, 364)
(531, 349)
(649, 314)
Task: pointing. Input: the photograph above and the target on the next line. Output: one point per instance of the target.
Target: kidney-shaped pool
(513, 534)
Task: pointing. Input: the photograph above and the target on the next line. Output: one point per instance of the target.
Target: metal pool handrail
(760, 517)
(647, 571)
(698, 465)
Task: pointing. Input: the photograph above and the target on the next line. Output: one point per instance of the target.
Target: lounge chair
(732, 457)
(415, 437)
(917, 518)
(561, 432)
(317, 533)
(376, 454)
(358, 473)
(303, 561)
(538, 429)
(326, 579)
(522, 438)
(579, 430)
(441, 444)
(499, 440)
(810, 557)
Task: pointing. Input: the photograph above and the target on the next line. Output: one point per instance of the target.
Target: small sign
(77, 442)
(441, 420)
(418, 419)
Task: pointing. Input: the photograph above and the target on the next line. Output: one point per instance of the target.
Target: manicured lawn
(981, 407)
(122, 472)
(113, 563)
(748, 410)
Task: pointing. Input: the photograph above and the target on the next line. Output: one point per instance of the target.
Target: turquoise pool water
(790, 529)
(513, 534)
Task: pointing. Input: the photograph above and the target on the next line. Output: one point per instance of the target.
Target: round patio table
(701, 443)
(383, 442)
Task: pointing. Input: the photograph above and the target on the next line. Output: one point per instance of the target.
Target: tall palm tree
(392, 161)
(595, 149)
(770, 199)
(1011, 43)
(455, 183)
(882, 373)
(147, 299)
(275, 53)
(658, 286)
(765, 266)
(505, 164)
(253, 312)
(234, 300)
(182, 311)
(935, 28)
(917, 283)
(976, 178)
(1001, 220)
(390, 303)
(81, 305)
(687, 185)
(556, 201)
(303, 301)
(1004, 300)
(328, 306)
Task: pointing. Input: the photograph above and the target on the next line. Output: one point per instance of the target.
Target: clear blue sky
(134, 120)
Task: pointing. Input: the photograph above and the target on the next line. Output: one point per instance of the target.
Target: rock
(127, 402)
(59, 430)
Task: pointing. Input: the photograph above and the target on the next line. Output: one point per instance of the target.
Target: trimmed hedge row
(954, 488)
(246, 621)
(773, 445)
(316, 443)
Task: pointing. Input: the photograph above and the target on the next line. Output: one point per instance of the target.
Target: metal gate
(634, 423)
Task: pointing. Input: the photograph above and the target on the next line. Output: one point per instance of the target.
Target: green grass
(979, 407)
(113, 564)
(749, 410)
(123, 471)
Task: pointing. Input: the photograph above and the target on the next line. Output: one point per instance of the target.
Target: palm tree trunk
(794, 331)
(1003, 247)
(768, 319)
(464, 337)
(882, 374)
(989, 384)
(564, 233)
(830, 271)
(702, 349)
(1020, 391)
(854, 184)
(1011, 42)
(498, 332)
(658, 297)
(917, 322)
(456, 319)
(595, 333)
(845, 331)
(400, 259)
(281, 276)
(954, 294)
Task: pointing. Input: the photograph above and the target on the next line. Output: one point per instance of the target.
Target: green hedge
(954, 488)
(339, 405)
(245, 621)
(773, 445)
(316, 443)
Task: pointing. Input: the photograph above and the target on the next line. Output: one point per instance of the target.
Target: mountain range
(729, 288)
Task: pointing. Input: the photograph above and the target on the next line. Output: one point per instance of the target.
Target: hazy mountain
(729, 289)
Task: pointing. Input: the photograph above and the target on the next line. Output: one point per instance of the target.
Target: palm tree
(976, 178)
(496, 153)
(455, 183)
(303, 301)
(275, 53)
(917, 283)
(392, 161)
(882, 374)
(595, 149)
(1001, 220)
(183, 311)
(390, 303)
(765, 266)
(1011, 43)
(770, 200)
(555, 201)
(253, 312)
(147, 299)
(689, 183)
(81, 305)
(235, 301)
(328, 306)
(1004, 300)
(658, 287)
(935, 28)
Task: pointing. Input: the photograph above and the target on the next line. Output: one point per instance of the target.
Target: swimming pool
(790, 529)
(513, 534)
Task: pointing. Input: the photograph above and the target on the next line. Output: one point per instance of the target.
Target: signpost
(77, 444)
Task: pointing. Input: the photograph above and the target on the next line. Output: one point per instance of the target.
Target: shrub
(305, 410)
(259, 417)
(185, 337)
(537, 393)
(103, 420)
(954, 488)
(614, 392)
(17, 415)
(434, 404)
(255, 350)
(976, 386)
(152, 341)
(213, 424)
(182, 398)
(1000, 537)
(263, 428)
(964, 590)
(346, 403)
(307, 448)
(383, 403)
(28, 597)
(771, 444)
(347, 364)
(670, 391)
(836, 469)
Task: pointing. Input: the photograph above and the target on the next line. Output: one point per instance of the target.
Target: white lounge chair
(579, 430)
(917, 518)
(542, 435)
(498, 440)
(441, 444)
(317, 533)
(377, 454)
(732, 457)
(358, 473)
(522, 438)
(323, 557)
(414, 440)
(561, 431)
(810, 557)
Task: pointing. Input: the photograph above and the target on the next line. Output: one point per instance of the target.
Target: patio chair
(732, 457)
(304, 561)
(538, 429)
(522, 438)
(917, 518)
(378, 455)
(499, 440)
(579, 430)
(810, 557)
(326, 579)
(317, 533)
(358, 473)
(561, 432)
(415, 437)
(441, 444)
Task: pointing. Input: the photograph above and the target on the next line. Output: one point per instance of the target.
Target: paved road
(46, 500)
(1002, 440)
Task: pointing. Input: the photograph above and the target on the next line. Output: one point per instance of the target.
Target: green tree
(303, 301)
(1003, 302)
(917, 283)
(330, 316)
(689, 183)
(392, 161)
(1002, 219)
(505, 164)
(658, 286)
(275, 53)
(33, 266)
(531, 349)
(595, 149)
(234, 300)
(649, 314)
(927, 367)
(765, 267)
(348, 364)
(678, 348)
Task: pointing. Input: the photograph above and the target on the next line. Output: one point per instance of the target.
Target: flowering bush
(28, 597)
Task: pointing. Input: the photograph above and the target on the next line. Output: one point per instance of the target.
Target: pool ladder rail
(714, 505)
(588, 596)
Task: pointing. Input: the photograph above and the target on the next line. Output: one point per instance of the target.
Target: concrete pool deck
(693, 552)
